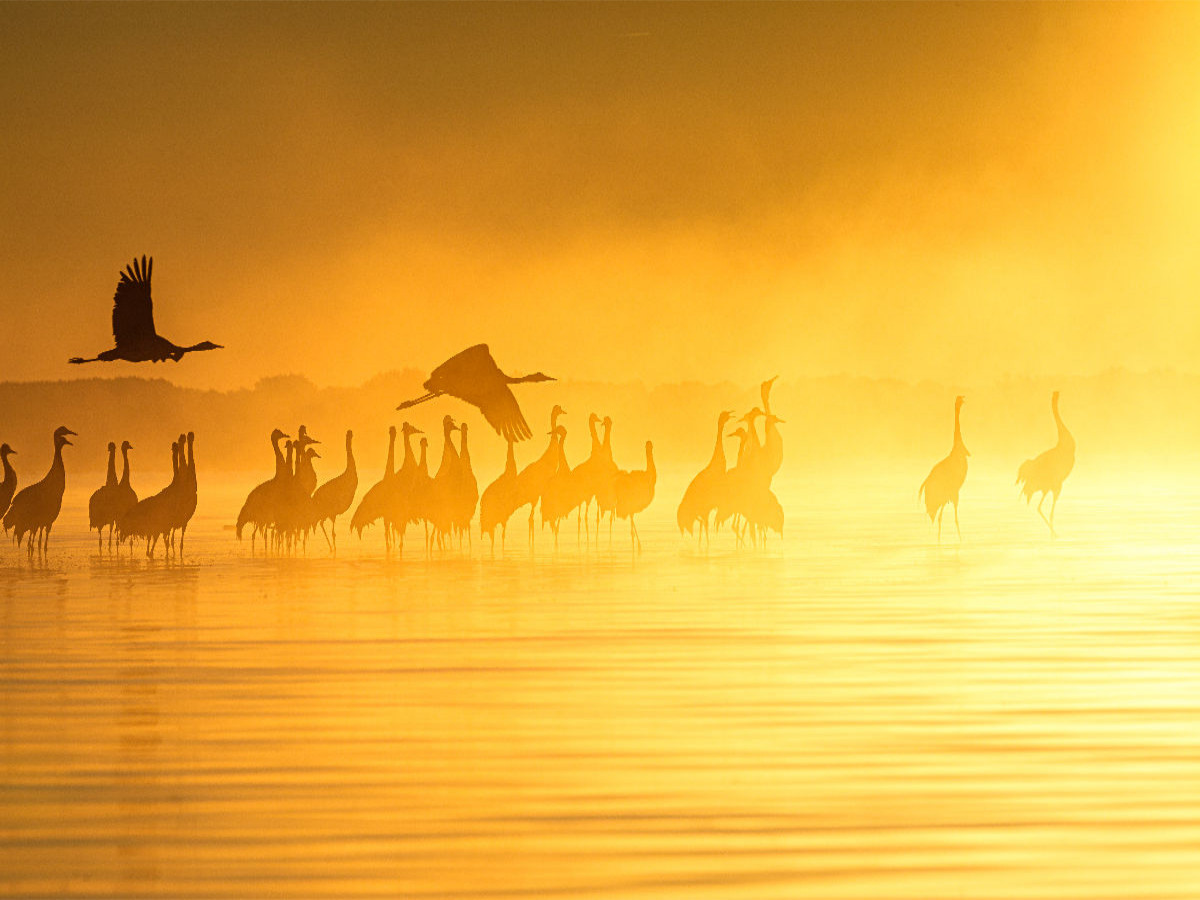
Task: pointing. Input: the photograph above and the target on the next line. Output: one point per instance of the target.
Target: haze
(622, 192)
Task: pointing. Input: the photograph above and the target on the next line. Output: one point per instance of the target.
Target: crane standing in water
(36, 507)
(473, 376)
(946, 478)
(1046, 472)
(133, 323)
(702, 494)
(336, 495)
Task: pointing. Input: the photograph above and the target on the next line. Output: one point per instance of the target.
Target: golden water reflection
(852, 713)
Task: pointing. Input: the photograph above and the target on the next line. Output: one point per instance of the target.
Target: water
(853, 712)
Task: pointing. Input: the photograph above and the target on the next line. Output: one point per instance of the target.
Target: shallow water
(853, 712)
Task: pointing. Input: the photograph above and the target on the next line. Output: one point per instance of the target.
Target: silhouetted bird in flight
(133, 323)
(1047, 472)
(473, 376)
(945, 479)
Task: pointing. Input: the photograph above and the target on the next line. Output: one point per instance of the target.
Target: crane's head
(1054, 397)
(447, 425)
(752, 415)
(60, 436)
(6, 450)
(560, 432)
(112, 448)
(277, 436)
(424, 443)
(349, 438)
(310, 453)
(725, 416)
(607, 421)
(191, 436)
(536, 376)
(392, 432)
(737, 433)
(593, 419)
(409, 429)
(556, 412)
(958, 402)
(126, 446)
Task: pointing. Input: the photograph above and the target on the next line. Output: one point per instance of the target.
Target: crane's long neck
(718, 458)
(464, 454)
(125, 467)
(596, 446)
(58, 472)
(288, 463)
(423, 465)
(959, 446)
(1064, 437)
(350, 466)
(10, 475)
(449, 454)
(390, 467)
(111, 479)
(191, 459)
(653, 472)
(410, 459)
(280, 463)
(608, 442)
(562, 455)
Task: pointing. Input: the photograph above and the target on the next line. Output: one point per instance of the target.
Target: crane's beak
(779, 420)
(316, 455)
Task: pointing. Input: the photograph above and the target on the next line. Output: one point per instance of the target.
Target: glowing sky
(606, 192)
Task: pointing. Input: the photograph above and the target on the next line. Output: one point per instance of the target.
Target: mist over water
(852, 712)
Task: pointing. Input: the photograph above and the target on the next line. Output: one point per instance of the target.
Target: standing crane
(335, 496)
(473, 376)
(36, 507)
(703, 494)
(133, 323)
(1046, 472)
(946, 478)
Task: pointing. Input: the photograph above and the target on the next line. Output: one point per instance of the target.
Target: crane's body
(1045, 473)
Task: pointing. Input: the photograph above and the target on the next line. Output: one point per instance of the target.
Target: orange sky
(607, 192)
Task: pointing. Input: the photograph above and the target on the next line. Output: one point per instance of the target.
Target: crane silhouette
(259, 509)
(133, 323)
(466, 494)
(946, 478)
(532, 480)
(1046, 472)
(36, 507)
(8, 486)
(702, 494)
(371, 507)
(499, 501)
(111, 501)
(473, 376)
(336, 495)
(634, 492)
(183, 506)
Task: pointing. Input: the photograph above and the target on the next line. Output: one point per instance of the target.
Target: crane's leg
(941, 512)
(1049, 522)
(636, 537)
(503, 535)
(1053, 506)
(956, 528)
(46, 538)
(100, 539)
(328, 543)
(333, 528)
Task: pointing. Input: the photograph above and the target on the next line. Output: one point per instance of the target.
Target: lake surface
(853, 712)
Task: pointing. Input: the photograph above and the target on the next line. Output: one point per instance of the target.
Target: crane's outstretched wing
(133, 311)
(502, 413)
